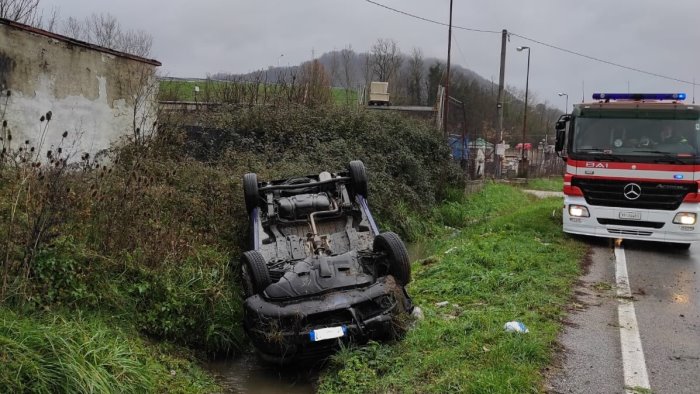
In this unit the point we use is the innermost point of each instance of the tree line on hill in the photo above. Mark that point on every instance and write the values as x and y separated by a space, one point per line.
414 80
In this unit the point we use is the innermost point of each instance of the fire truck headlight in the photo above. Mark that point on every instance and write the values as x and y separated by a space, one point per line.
579 211
687 218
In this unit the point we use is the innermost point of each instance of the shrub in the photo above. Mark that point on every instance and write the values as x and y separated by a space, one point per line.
408 160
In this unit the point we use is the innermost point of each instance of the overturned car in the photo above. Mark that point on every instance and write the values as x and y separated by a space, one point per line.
319 272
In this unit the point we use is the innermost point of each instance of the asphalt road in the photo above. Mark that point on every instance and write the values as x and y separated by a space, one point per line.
665 299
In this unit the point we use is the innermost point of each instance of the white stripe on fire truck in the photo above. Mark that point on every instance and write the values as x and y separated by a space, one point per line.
633 174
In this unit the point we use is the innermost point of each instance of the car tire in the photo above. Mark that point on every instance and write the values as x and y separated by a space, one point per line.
254 273
399 266
250 191
358 176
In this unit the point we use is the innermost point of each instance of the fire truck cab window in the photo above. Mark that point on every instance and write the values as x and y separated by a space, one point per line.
636 136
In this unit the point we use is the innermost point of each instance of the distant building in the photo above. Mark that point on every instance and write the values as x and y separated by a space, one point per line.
96 94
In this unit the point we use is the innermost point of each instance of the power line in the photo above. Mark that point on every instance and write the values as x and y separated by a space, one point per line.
601 60
552 46
431 20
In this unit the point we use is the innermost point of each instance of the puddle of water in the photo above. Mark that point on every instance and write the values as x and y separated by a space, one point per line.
247 374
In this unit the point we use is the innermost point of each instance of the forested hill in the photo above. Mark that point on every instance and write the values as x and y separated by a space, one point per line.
414 79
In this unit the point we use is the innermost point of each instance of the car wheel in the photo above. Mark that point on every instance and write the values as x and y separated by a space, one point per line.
250 191
399 265
254 272
358 175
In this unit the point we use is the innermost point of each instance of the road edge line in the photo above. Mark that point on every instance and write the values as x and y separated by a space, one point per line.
633 362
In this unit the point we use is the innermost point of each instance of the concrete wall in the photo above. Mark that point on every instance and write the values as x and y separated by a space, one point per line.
96 96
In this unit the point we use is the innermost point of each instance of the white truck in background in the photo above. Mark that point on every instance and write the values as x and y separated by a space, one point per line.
379 93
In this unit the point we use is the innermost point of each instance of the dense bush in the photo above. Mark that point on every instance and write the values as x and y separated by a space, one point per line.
408 160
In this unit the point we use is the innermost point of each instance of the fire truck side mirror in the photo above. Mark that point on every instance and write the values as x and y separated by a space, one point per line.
561 137
560 128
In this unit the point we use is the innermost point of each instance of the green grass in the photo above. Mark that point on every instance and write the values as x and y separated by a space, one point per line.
546 184
184 90
175 90
342 97
53 354
510 261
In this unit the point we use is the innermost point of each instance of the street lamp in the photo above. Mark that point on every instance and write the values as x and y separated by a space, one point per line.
523 160
566 109
278 60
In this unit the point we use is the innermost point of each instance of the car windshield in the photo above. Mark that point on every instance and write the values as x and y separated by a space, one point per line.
637 137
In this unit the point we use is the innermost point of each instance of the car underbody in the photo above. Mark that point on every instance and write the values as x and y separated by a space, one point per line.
318 272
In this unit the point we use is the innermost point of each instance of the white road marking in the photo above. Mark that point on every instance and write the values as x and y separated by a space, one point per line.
633 363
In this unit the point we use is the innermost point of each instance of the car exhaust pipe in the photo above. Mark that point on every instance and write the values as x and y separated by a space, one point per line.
318 244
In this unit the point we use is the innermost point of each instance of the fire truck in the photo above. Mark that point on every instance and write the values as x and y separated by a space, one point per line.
632 167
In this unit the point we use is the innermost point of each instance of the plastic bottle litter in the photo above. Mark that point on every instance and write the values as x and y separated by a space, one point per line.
442 303
515 326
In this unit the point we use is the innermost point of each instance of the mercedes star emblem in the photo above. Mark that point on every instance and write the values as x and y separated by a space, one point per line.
632 191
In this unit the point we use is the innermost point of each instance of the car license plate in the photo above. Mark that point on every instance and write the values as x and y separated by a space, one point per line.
631 215
327 333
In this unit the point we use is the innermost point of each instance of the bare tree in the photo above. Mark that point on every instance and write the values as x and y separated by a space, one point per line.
135 42
333 68
140 89
386 59
347 55
22 11
72 27
46 21
316 84
416 76
104 30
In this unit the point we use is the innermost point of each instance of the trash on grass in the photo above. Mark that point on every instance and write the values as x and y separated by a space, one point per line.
442 303
515 326
418 313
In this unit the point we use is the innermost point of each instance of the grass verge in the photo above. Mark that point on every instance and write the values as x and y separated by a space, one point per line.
50 354
508 261
546 184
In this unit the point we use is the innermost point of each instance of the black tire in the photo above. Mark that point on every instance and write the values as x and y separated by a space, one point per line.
358 175
250 191
399 266
254 273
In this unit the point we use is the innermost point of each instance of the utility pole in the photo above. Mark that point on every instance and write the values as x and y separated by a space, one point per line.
447 79
499 101
501 81
523 160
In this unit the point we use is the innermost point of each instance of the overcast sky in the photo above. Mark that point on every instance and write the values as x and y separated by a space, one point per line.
193 38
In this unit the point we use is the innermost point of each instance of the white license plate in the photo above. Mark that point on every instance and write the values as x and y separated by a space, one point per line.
327 333
631 215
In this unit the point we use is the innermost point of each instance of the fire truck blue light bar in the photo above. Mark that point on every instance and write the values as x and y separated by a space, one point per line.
639 96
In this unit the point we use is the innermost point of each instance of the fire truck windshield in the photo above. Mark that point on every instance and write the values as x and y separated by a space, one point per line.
642 138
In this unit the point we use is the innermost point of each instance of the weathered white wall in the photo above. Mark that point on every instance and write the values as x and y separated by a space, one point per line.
91 94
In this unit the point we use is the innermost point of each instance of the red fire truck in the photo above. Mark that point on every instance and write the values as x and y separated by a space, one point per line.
632 167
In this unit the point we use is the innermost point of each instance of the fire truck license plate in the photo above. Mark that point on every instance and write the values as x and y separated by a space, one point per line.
631 215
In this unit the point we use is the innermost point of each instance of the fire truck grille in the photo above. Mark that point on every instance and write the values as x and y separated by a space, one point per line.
630 232
654 195
633 223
